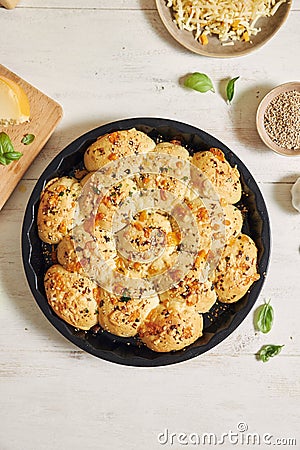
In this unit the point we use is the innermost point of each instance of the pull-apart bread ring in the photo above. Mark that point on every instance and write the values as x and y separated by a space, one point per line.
136 233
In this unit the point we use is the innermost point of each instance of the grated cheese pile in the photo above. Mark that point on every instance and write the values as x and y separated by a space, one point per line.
229 20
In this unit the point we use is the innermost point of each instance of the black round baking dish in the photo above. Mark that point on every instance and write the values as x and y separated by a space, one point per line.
219 323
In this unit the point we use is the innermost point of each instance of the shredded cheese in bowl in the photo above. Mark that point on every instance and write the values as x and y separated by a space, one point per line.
230 20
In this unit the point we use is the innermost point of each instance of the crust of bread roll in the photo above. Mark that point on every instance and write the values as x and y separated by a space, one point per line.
236 270
73 297
80 249
56 209
162 183
224 178
233 221
122 315
110 203
195 290
113 146
173 148
171 328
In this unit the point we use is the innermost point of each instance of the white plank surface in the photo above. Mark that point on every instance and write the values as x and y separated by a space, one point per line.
87 4
104 61
103 4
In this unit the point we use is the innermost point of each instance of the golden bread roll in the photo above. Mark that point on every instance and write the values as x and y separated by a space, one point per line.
73 297
233 220
77 251
227 223
203 223
173 148
171 328
163 263
135 269
236 270
123 315
110 203
162 183
151 237
56 209
194 290
224 178
147 228
113 146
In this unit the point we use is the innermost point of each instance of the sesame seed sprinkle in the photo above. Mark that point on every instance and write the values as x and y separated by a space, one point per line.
282 120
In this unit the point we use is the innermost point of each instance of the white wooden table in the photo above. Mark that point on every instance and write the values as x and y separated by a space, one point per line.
103 61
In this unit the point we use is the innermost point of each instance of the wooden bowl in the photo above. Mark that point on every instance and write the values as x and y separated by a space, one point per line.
286 87
269 26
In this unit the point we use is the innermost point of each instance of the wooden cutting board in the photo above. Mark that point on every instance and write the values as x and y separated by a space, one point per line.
45 114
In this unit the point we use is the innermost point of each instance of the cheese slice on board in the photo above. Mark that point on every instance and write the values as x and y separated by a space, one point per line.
14 103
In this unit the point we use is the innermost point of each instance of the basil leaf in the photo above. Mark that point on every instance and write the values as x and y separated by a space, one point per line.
230 89
269 351
199 82
5 144
265 318
3 161
28 139
13 156
7 151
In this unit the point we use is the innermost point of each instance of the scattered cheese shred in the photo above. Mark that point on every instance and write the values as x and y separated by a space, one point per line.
230 20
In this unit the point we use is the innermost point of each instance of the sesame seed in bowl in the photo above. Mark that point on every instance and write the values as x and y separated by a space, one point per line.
278 119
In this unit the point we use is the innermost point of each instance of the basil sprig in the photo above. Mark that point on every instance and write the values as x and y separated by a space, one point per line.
230 89
265 318
28 139
199 82
7 151
269 351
